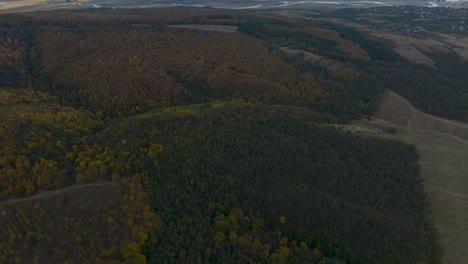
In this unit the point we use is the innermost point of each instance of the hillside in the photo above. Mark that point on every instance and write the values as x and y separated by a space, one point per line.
443 151
240 155
226 143
37 138
397 110
147 73
431 43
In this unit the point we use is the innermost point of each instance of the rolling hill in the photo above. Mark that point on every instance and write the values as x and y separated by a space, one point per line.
196 135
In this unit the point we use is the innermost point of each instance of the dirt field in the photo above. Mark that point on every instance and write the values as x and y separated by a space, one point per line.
443 149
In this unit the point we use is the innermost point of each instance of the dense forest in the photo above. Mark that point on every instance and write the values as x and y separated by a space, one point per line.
222 146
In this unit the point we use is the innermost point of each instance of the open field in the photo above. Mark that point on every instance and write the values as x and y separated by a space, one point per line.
445 172
443 156
397 110
415 49
411 48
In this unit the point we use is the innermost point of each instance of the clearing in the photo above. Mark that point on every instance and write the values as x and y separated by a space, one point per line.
398 111
330 64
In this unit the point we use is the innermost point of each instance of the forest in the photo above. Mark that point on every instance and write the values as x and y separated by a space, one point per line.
221 147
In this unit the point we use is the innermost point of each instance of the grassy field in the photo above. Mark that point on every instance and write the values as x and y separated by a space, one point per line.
444 168
445 171
398 111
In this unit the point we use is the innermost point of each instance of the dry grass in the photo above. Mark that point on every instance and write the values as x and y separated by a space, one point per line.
397 110
445 172
408 47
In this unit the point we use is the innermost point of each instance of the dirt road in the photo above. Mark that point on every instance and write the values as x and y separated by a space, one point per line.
45 194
